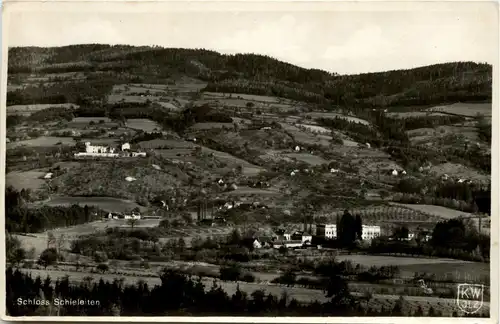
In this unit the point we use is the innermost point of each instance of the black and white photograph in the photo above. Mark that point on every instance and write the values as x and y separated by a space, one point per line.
257 160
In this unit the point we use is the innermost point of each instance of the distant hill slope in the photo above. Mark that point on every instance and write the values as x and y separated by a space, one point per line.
258 74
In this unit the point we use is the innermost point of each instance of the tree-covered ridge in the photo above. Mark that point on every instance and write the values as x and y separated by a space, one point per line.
259 74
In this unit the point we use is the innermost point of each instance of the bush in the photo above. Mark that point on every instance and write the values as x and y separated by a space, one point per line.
102 267
230 273
248 277
100 257
48 257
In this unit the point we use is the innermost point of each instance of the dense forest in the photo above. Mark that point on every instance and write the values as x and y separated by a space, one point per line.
19 217
243 73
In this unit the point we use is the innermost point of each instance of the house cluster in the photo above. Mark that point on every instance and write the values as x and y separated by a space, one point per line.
446 177
133 215
396 173
422 235
329 231
227 186
243 205
109 151
294 240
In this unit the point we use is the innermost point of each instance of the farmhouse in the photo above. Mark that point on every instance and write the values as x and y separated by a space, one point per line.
125 147
48 175
133 216
115 216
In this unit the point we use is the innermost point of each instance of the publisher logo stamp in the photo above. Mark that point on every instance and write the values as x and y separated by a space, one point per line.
470 297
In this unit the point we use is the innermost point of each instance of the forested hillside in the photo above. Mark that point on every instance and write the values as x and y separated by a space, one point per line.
240 73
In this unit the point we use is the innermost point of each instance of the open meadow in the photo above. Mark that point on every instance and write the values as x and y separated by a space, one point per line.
439 211
332 115
109 204
27 110
465 109
42 141
25 180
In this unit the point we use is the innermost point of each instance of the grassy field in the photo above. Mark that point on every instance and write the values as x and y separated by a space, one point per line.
167 143
249 169
25 180
42 141
253 191
459 270
459 171
465 109
29 109
101 141
408 114
208 126
382 260
269 99
438 211
105 203
107 179
80 122
307 158
304 137
315 129
335 115
145 125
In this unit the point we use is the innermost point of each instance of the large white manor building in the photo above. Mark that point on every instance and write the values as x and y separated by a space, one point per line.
108 151
329 231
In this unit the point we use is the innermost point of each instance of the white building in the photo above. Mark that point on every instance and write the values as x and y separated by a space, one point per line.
256 244
297 148
306 238
48 175
98 148
125 146
137 154
133 216
328 231
394 172
370 232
